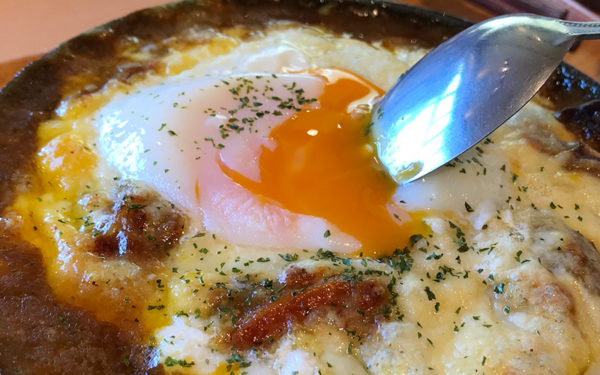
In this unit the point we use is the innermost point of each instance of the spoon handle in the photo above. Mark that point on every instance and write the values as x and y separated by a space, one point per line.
584 30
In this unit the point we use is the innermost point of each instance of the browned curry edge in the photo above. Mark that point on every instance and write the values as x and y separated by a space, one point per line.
34 94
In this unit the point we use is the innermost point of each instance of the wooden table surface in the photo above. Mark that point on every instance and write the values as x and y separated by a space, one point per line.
47 26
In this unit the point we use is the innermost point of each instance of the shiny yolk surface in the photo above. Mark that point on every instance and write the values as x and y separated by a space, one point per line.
323 166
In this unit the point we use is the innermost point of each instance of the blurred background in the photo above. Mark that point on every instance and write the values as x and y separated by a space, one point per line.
29 28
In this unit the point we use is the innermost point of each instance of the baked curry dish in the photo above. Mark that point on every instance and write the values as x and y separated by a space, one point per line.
193 189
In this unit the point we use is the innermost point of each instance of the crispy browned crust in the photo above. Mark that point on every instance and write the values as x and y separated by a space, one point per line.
40 335
583 121
98 57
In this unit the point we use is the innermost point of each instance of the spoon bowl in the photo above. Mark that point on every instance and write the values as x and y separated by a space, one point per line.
466 88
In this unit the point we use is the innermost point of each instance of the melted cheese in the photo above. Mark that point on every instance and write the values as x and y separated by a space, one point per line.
473 295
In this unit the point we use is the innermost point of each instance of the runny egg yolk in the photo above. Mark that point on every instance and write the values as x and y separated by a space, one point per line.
323 165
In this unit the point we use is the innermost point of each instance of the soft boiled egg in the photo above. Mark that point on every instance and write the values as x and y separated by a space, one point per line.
275 160
282 160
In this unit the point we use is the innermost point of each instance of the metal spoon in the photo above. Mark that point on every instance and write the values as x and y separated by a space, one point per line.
468 86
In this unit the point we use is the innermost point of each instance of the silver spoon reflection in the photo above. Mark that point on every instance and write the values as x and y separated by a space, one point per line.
468 86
